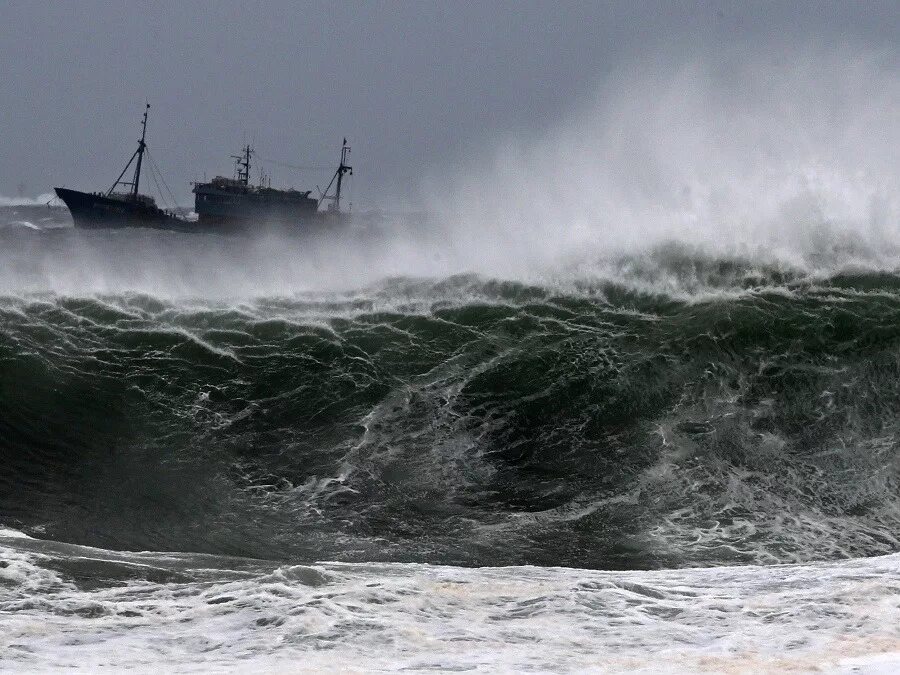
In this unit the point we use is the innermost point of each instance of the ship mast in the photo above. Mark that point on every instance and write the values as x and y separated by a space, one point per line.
341 170
139 155
242 164
338 176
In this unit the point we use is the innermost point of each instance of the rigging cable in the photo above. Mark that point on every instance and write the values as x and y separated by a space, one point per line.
154 166
350 192
292 166
158 188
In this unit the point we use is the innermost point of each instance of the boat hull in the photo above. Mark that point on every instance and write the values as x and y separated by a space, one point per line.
95 211
91 210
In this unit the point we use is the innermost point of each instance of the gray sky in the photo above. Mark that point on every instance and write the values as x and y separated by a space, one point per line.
413 86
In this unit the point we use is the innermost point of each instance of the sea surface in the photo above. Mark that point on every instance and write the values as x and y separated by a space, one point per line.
258 456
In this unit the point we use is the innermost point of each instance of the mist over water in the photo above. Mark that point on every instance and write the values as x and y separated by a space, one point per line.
40 200
788 161
785 158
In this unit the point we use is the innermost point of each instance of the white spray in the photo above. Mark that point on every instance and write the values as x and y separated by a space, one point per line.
785 153
789 156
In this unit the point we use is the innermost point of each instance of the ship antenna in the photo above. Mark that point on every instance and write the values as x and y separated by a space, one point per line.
242 164
139 154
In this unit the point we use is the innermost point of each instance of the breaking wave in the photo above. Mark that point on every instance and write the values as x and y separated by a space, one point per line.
467 420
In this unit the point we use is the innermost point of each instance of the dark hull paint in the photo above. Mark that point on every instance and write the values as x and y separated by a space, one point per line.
250 211
272 222
96 211
215 206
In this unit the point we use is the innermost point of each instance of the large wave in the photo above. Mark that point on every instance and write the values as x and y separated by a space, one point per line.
663 334
465 420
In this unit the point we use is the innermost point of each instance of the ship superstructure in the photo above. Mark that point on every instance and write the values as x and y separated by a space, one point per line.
236 203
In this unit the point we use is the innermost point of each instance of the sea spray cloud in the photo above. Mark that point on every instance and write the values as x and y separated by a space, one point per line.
789 151
40 200
787 158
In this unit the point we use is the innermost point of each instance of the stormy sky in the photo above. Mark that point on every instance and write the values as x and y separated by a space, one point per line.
413 86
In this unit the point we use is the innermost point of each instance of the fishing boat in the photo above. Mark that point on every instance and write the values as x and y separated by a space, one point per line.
222 204
125 207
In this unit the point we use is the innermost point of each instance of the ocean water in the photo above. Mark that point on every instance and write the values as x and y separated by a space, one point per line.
68 606
624 399
288 455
